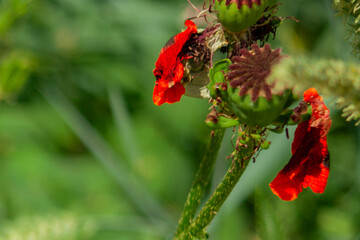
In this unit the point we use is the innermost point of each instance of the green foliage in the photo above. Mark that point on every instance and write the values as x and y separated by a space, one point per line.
268 225
350 10
202 180
10 11
333 78
15 69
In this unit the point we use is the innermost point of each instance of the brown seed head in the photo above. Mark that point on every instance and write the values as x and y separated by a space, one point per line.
250 69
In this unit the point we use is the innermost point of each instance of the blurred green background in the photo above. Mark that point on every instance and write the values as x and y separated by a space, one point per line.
85 154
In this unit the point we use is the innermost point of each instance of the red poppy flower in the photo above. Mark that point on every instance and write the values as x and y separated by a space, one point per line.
309 164
168 68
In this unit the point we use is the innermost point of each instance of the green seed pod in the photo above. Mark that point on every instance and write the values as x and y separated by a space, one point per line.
250 96
260 113
236 17
256 136
265 145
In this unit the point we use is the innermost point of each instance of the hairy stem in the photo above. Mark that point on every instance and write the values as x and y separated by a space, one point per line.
201 181
212 206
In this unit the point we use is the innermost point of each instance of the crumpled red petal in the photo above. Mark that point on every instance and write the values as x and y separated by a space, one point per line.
168 68
309 164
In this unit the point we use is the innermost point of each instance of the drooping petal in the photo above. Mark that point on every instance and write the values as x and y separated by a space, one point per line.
309 164
170 95
168 68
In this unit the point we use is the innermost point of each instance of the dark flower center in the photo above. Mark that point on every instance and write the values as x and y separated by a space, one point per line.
250 70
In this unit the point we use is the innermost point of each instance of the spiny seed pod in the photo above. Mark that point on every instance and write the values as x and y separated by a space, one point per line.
241 84
237 15
251 97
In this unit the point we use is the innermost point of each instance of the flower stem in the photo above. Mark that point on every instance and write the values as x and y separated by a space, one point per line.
201 181
212 206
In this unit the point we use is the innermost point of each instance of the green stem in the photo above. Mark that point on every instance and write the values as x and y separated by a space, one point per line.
201 181
212 206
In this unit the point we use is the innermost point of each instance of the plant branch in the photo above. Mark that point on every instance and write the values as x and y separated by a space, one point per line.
212 206
201 181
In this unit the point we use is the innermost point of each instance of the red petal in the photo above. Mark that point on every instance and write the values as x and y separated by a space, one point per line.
309 164
169 69
171 95
164 88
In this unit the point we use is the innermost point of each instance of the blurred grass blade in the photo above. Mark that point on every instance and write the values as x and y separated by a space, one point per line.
131 186
267 224
123 124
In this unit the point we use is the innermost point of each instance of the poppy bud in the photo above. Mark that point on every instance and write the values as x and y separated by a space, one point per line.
237 15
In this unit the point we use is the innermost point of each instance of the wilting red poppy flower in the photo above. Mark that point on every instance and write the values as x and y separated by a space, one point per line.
309 164
168 68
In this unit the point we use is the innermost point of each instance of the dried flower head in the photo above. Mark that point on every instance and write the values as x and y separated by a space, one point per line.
250 70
